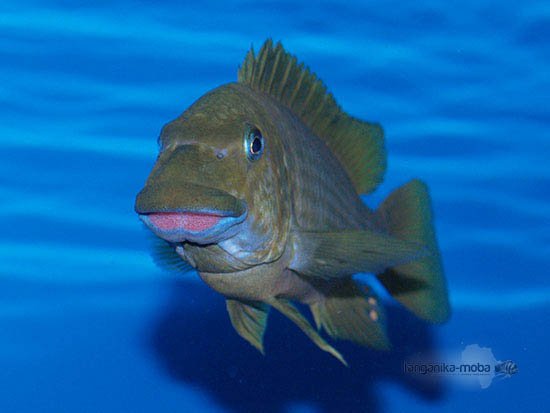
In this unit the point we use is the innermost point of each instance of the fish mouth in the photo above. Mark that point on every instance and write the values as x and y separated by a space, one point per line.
199 227
190 212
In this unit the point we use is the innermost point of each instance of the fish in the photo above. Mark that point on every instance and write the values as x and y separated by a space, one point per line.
257 186
506 368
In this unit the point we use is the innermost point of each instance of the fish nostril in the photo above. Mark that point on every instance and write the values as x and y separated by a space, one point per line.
221 154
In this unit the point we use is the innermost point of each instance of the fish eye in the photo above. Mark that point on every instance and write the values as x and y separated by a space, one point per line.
253 143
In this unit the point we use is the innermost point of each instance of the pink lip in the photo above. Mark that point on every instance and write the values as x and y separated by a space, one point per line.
188 221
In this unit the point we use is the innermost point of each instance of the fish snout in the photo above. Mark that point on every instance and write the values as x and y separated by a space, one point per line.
189 212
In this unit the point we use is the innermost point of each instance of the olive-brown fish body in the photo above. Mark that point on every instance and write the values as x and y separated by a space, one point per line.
313 193
257 187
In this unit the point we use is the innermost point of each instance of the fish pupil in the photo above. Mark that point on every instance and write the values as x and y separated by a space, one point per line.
256 145
253 143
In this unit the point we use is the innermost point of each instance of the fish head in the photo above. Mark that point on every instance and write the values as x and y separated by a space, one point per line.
220 174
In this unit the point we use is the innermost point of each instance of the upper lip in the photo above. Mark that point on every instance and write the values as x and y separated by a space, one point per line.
162 210
187 197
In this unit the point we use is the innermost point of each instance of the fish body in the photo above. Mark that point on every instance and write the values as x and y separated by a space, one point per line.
257 187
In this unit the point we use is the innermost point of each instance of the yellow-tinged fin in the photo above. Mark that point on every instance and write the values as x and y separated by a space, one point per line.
358 145
351 311
287 308
249 320
420 285
342 253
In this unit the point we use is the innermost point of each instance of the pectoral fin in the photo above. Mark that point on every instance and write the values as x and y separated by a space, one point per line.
342 253
288 309
165 256
249 320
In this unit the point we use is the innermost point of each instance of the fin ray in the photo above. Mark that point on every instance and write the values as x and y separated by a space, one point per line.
420 285
342 253
165 256
278 73
288 309
249 319
351 311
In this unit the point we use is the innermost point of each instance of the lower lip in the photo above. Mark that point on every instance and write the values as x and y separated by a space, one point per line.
188 221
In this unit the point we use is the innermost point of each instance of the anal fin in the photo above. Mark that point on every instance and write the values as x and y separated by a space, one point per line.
249 320
351 311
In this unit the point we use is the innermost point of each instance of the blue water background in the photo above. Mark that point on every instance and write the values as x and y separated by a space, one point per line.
89 324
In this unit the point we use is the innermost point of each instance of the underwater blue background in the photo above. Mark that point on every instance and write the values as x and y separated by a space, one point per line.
88 323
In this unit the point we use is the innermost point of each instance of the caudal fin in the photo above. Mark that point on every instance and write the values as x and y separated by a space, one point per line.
418 285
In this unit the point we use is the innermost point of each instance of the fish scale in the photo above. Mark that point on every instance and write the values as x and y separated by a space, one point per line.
322 200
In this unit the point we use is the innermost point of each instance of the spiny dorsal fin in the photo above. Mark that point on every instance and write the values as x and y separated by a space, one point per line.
358 145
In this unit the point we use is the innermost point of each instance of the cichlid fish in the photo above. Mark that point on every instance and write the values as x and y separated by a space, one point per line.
257 186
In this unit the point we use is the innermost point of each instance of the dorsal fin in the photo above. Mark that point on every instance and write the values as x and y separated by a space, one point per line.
358 145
